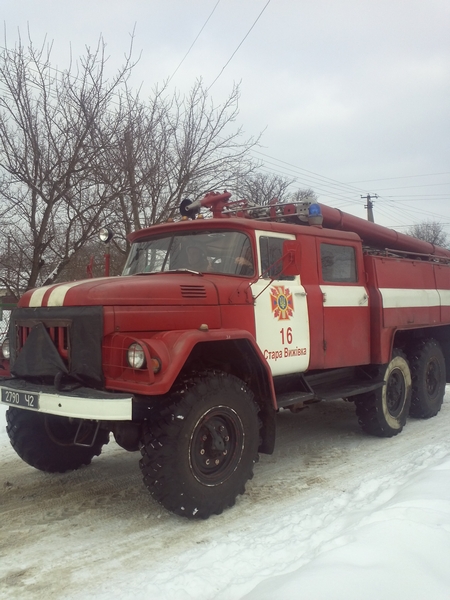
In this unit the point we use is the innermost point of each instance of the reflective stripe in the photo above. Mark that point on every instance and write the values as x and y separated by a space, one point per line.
445 297
344 295
58 295
409 298
37 296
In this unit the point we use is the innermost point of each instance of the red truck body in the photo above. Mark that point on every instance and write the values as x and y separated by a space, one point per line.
289 305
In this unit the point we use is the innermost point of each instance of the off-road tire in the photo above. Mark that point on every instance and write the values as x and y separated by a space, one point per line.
45 442
198 456
428 377
383 412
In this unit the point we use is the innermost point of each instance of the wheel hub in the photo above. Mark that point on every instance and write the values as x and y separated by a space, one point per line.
395 392
216 446
432 378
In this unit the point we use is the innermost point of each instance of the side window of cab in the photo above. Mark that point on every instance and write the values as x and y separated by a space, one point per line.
271 251
338 263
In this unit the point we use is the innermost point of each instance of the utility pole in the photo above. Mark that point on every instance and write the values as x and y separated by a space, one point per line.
369 206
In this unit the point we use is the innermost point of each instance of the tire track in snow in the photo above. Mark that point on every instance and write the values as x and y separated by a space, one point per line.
97 528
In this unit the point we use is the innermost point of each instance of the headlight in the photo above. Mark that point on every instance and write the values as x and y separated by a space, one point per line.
5 348
136 356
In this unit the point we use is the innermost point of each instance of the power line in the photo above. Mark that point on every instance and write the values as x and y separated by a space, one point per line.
320 182
192 45
403 177
338 192
412 225
401 217
327 185
242 41
410 211
306 183
406 187
330 187
420 197
352 188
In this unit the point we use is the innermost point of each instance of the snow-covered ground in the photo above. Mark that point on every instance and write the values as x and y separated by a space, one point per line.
333 514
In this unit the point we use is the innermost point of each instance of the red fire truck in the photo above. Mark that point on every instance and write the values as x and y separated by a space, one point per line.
217 323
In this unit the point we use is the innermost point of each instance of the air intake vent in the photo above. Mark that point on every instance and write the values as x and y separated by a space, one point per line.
193 291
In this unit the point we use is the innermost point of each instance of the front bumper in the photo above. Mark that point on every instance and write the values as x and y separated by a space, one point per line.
81 403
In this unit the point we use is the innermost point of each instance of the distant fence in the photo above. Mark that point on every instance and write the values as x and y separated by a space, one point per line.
7 303
4 324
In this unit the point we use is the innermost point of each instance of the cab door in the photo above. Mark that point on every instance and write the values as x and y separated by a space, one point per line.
346 319
281 312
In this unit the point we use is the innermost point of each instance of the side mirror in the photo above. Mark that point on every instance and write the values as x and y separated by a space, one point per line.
291 258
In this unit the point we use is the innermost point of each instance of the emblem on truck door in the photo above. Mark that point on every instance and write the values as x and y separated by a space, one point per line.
282 302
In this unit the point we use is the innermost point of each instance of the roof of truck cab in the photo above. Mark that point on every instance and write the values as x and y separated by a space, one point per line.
240 224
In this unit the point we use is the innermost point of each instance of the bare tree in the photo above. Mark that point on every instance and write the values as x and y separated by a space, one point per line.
303 195
261 188
90 261
430 231
79 150
49 129
168 148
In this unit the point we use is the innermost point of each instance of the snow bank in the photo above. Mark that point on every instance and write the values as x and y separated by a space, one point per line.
399 550
332 514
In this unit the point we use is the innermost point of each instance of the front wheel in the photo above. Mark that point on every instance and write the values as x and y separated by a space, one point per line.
46 442
383 412
199 455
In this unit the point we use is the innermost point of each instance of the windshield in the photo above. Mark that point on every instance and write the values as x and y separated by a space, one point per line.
227 252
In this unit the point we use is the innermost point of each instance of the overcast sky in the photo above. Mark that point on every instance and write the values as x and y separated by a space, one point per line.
353 95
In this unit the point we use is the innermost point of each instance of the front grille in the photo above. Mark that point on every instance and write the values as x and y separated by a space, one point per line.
193 291
48 340
59 334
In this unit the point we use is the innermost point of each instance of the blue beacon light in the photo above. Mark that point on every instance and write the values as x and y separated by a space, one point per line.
315 215
314 210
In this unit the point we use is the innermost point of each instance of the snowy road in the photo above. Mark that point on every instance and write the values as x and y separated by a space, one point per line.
96 533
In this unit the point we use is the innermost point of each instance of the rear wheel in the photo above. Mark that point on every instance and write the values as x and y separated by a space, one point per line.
383 412
199 455
46 442
428 378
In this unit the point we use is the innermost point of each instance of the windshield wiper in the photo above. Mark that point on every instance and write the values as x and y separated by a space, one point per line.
170 271
183 271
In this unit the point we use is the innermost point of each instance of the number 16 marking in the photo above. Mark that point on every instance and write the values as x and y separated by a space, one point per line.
286 334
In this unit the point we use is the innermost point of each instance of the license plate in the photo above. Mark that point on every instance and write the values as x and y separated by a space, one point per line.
16 398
